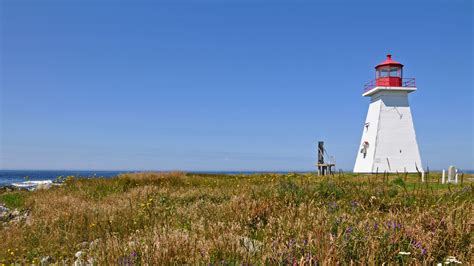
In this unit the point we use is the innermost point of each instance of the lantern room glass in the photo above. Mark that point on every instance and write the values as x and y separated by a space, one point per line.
396 72
383 72
389 71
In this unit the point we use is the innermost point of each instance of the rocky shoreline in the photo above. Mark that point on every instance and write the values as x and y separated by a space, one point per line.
29 186
10 216
13 216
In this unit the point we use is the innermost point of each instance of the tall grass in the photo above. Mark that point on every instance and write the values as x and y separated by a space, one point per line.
176 218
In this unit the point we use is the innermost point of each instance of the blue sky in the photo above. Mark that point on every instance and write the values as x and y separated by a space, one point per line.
224 85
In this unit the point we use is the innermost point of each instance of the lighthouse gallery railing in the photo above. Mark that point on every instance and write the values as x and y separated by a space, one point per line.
406 82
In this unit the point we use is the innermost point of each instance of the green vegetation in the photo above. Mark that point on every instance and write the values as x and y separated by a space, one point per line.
179 218
14 199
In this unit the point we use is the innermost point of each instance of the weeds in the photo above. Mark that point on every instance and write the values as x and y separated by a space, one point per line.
14 199
179 218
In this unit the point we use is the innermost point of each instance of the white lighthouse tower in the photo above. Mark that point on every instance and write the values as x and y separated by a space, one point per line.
388 138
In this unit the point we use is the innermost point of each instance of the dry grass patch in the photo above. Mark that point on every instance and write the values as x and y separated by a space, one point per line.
179 218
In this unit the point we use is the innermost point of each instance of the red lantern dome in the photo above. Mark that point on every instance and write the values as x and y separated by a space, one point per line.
389 73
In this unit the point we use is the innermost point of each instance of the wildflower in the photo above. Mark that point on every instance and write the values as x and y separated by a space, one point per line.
452 259
404 253
354 204
372 199
349 230
417 245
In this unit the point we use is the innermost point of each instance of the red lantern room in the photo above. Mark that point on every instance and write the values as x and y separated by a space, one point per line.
389 73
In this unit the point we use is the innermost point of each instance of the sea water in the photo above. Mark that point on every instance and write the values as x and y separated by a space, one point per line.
29 178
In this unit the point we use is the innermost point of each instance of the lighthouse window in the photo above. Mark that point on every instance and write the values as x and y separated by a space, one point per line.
383 73
395 72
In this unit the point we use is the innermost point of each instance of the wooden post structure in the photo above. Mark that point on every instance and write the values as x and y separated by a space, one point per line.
323 167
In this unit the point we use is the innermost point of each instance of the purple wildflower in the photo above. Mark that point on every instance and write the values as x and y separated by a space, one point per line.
349 230
332 206
354 204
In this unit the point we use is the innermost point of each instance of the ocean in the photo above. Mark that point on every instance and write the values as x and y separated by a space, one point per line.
8 177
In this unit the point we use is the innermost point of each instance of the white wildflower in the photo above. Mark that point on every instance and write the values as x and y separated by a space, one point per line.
404 253
372 199
452 259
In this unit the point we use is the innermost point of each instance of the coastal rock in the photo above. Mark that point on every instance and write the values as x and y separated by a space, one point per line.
94 244
10 188
45 260
4 213
79 254
16 216
15 213
8 216
6 188
251 245
82 260
44 186
28 220
3 209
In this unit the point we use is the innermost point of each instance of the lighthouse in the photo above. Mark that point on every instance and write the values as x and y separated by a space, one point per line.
388 142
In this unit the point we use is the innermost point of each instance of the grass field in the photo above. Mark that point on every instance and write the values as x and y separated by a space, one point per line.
179 218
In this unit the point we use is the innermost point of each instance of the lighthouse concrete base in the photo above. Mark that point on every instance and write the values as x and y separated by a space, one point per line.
388 141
